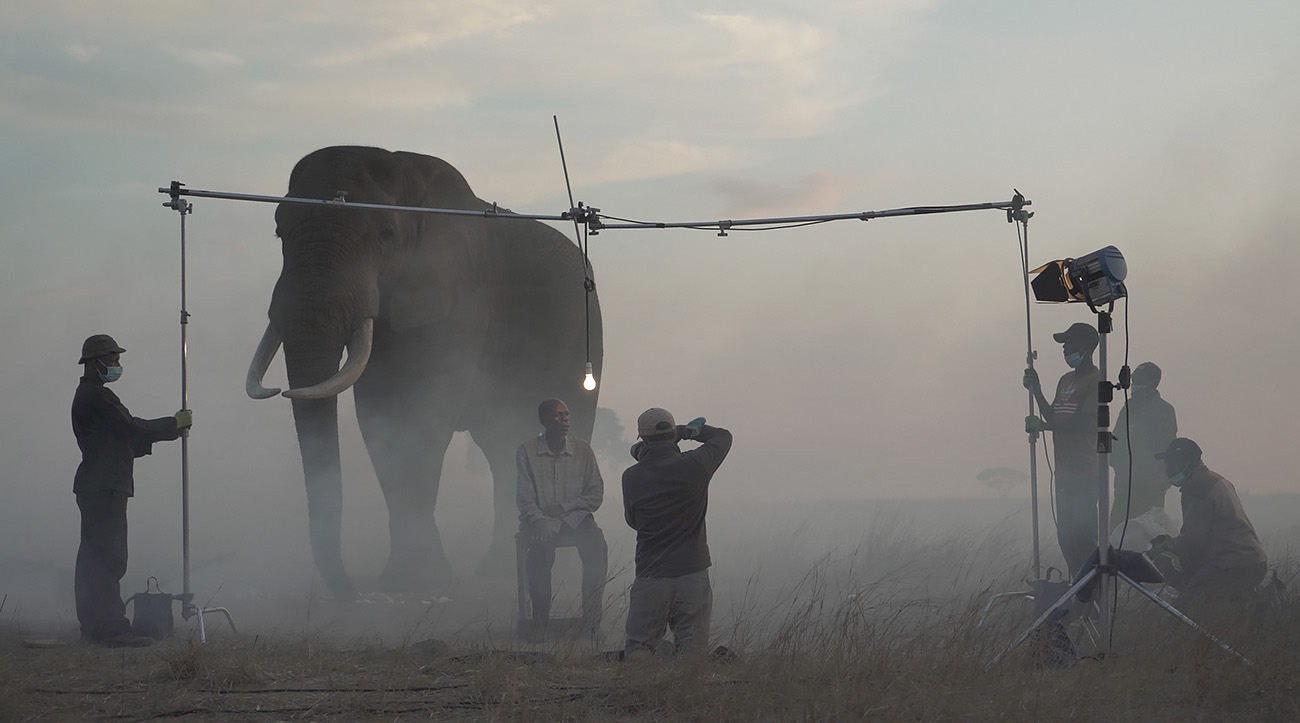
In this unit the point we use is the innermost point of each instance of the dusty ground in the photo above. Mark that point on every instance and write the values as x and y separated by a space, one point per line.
847 659
882 630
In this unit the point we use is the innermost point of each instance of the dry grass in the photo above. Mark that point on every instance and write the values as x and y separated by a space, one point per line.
860 636
863 656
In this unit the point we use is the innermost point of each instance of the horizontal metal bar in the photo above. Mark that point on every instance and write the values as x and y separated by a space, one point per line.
492 212
862 216
592 216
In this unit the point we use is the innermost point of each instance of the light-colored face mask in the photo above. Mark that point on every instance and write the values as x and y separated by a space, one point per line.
1178 479
1074 360
111 374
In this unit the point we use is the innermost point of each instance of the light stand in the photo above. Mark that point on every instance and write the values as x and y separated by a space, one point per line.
186 598
1038 585
1106 572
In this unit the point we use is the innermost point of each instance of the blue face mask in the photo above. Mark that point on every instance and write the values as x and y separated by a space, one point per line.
1074 360
111 374
1178 479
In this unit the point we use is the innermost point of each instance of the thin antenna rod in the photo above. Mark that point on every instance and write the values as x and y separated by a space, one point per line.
567 187
588 283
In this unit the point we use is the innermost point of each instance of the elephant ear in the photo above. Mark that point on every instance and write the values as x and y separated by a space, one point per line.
438 278
436 275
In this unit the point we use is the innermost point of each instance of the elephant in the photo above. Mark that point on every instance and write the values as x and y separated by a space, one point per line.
450 323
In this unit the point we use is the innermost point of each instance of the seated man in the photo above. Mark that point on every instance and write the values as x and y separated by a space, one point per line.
558 489
1216 558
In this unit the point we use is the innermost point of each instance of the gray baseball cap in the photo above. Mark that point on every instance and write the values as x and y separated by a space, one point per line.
1078 331
98 345
654 421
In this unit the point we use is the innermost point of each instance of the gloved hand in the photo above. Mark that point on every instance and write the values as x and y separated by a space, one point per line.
552 510
1166 560
1031 380
184 418
1159 543
546 529
691 429
1034 424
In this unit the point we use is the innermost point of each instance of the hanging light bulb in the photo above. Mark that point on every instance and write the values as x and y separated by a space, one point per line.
589 381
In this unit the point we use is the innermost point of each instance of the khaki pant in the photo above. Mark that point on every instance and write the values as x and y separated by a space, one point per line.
683 604
1210 592
1076 517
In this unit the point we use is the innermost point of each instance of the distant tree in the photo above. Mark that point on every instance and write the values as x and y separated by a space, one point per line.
1001 479
609 438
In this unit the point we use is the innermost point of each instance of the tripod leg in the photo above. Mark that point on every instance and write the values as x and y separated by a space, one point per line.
229 619
1181 617
1029 594
1046 614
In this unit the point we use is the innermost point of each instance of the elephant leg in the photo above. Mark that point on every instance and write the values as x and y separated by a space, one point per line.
407 455
499 445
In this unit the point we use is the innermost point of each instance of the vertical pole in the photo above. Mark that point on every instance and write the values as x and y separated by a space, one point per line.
183 207
1105 579
1022 217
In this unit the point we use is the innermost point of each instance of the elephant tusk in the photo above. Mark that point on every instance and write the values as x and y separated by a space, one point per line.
266 350
358 355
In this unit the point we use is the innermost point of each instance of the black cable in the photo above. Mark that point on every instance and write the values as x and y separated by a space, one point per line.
707 227
774 227
589 286
1128 496
1128 437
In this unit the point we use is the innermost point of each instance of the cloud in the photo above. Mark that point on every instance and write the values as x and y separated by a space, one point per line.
643 159
82 52
811 193
394 30
206 59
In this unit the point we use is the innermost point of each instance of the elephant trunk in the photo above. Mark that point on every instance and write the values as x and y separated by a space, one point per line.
358 346
316 420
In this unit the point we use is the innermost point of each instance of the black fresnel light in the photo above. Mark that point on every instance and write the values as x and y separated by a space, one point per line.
1095 279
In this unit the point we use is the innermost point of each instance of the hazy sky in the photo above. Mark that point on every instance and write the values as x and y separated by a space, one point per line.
878 359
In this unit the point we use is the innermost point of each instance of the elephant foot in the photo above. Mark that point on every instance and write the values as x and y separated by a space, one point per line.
499 562
339 584
412 578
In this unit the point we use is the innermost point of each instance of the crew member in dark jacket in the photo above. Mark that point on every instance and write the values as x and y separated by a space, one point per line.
1216 557
665 499
1147 424
110 439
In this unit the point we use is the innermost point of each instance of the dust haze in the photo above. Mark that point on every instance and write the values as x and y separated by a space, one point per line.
869 371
